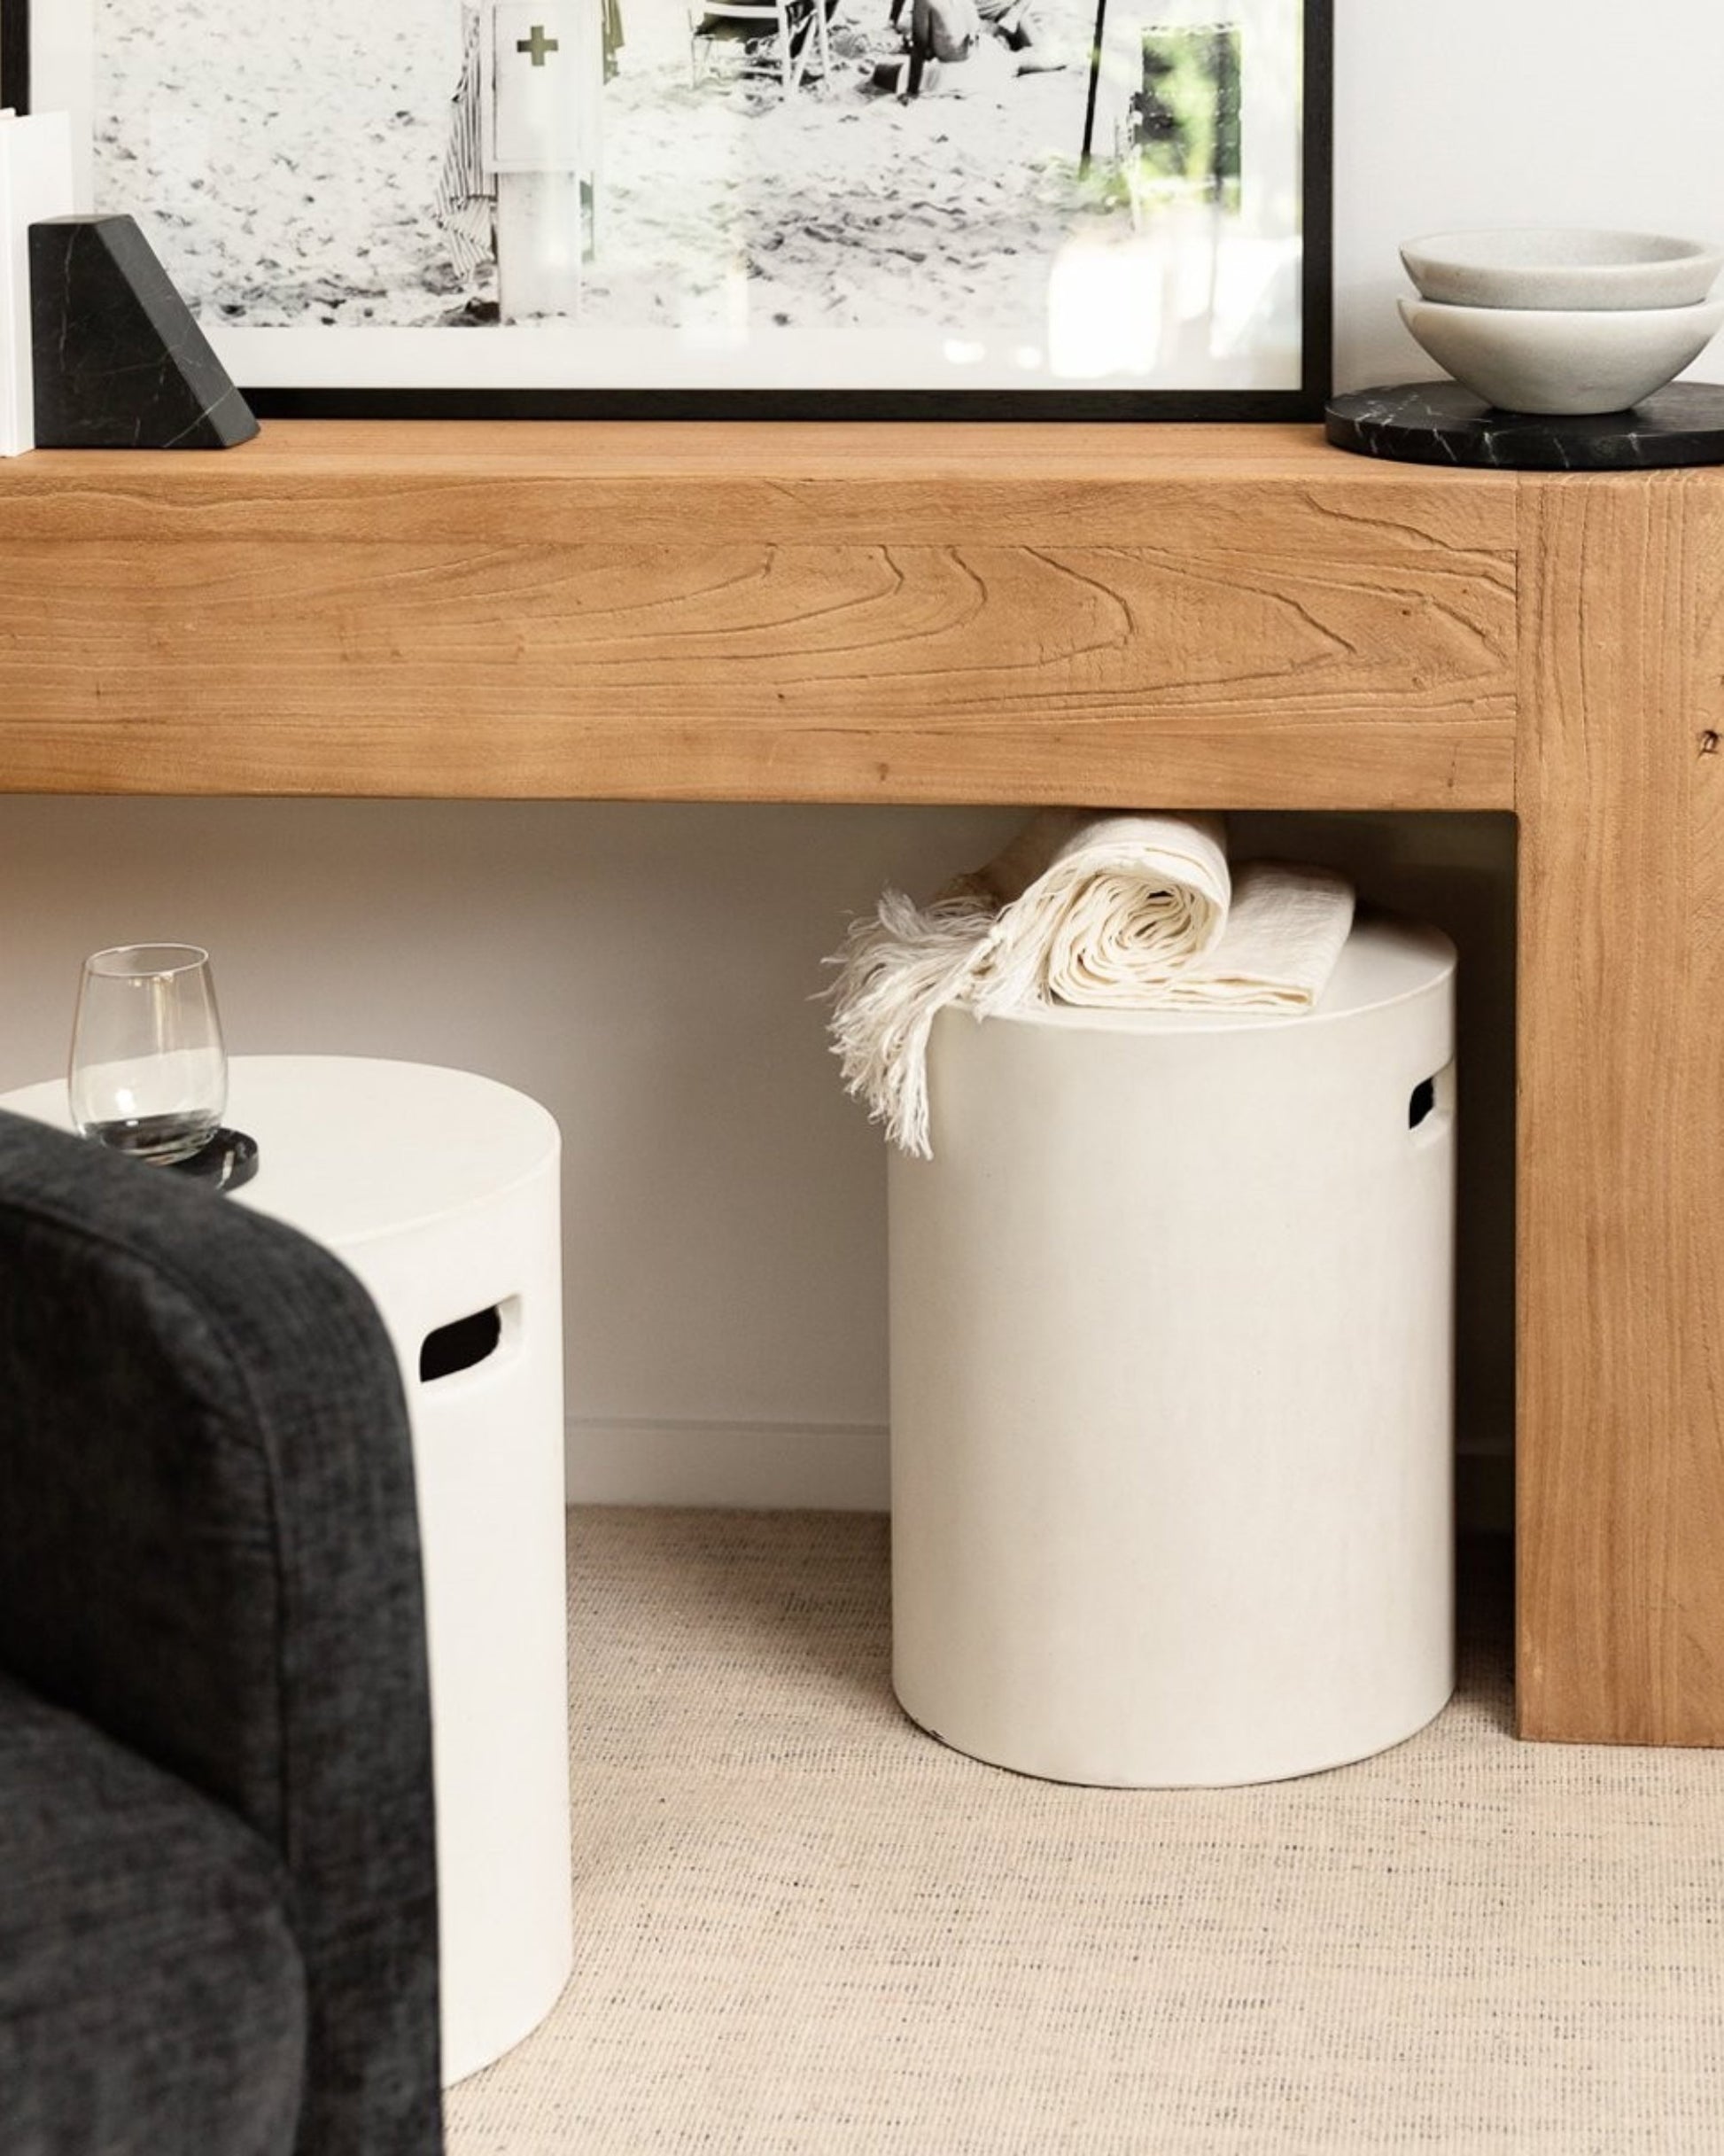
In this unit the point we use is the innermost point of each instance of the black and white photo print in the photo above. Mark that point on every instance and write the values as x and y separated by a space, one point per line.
1095 206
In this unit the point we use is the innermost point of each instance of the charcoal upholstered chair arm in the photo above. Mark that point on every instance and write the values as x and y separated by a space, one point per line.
209 1551
151 1994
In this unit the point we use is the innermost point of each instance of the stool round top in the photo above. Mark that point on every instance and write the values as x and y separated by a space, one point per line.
350 1147
1385 958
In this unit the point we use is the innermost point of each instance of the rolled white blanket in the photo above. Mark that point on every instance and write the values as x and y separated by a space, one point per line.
1115 911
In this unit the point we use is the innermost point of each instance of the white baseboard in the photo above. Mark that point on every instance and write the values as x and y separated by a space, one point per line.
841 1467
823 1467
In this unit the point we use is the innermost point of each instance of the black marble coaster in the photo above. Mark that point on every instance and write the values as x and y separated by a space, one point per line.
1440 423
229 1159
119 362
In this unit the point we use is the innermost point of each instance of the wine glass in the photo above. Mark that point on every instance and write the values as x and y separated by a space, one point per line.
149 1072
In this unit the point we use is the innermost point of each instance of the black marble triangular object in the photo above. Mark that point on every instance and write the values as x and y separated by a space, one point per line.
119 362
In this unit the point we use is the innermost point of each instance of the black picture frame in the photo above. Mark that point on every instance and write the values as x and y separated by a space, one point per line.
15 54
1304 403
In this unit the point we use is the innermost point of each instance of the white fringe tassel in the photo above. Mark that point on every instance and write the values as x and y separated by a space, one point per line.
896 972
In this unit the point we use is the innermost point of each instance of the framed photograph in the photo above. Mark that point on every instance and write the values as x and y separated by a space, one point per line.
1095 209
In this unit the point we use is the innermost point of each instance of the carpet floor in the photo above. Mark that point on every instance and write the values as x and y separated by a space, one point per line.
803 1928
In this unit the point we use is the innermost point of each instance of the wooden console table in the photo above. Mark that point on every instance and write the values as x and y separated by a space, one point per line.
1189 617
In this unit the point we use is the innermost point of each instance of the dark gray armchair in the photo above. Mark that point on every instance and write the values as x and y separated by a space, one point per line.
218 1910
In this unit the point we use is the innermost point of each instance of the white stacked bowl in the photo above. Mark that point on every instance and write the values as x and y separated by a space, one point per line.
1563 320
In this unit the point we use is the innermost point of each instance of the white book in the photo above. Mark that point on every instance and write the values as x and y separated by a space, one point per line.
35 182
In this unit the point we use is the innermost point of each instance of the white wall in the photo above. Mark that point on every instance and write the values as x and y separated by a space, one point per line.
1450 113
648 973
645 971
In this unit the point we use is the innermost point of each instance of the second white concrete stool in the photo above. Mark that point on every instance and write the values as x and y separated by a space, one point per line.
439 1189
1171 1368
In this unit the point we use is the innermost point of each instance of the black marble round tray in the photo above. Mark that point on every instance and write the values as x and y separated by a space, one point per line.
1440 423
229 1159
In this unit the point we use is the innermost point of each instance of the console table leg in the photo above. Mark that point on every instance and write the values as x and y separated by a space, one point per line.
1620 790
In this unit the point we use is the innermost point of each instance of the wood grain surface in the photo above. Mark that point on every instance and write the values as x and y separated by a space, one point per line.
1200 616
1621 1447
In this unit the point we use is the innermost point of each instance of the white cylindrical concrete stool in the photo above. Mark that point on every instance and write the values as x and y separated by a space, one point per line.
439 1189
1171 1321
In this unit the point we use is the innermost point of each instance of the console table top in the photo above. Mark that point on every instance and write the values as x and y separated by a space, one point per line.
1203 615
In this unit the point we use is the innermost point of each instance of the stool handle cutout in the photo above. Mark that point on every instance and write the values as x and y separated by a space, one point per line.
462 1344
1431 1105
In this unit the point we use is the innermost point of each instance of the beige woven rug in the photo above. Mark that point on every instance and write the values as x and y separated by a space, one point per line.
805 1927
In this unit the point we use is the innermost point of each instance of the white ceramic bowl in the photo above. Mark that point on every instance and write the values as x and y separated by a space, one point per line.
1563 267
1563 359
